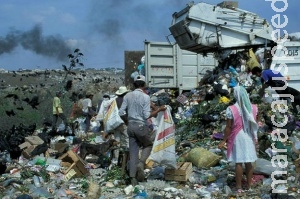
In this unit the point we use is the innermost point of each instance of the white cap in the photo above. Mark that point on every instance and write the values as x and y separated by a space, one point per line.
140 78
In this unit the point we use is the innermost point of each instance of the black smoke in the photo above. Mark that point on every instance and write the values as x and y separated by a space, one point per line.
52 46
122 25
110 28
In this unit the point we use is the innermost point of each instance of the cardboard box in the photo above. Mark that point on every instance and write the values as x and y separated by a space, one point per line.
60 147
26 152
34 140
73 161
30 143
182 173
70 174
26 149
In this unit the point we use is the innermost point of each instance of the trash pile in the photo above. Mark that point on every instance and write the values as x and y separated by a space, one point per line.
40 163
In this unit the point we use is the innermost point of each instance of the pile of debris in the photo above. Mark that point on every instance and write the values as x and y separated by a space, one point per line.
40 163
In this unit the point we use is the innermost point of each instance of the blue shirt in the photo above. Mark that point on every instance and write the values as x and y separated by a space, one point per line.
137 104
268 74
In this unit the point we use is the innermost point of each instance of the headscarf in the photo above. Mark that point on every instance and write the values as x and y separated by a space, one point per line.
245 107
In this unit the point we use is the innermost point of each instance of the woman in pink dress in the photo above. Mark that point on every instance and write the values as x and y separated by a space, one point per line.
240 134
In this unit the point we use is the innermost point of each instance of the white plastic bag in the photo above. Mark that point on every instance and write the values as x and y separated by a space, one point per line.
105 104
61 127
111 118
95 126
163 151
270 95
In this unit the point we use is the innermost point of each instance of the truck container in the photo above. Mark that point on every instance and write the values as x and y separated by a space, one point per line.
203 28
168 66
290 57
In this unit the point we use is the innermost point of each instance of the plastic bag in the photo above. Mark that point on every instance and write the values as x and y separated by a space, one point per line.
61 127
263 167
95 126
105 104
135 73
203 158
270 95
163 151
112 119
232 83
252 61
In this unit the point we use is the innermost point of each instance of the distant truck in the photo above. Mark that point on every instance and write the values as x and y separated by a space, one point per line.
204 28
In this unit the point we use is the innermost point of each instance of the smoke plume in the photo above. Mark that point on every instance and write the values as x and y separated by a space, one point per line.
33 40
124 25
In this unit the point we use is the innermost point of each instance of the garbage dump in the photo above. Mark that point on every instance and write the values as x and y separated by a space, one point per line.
42 163
49 164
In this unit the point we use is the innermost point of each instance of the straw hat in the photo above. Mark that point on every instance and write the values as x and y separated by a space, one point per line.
122 90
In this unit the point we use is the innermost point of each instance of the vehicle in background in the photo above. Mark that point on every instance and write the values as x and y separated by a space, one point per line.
204 28
168 66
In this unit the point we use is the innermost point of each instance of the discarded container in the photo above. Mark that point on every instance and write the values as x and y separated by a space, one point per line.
36 181
182 173
73 161
70 174
141 195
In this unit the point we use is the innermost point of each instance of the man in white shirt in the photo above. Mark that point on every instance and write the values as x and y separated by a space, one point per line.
87 110
137 106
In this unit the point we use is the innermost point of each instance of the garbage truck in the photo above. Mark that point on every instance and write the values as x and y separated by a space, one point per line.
169 66
205 28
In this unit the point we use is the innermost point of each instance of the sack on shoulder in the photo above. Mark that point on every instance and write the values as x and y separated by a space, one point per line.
112 118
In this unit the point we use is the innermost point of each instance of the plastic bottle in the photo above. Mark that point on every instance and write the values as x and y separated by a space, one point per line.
40 161
141 195
36 181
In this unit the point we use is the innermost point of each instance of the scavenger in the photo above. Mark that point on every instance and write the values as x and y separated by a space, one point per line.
240 134
137 106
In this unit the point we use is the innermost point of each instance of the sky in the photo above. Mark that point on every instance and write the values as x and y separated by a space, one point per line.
38 34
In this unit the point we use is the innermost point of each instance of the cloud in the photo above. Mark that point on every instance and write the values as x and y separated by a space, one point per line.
68 18
40 15
75 43
37 18
49 10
